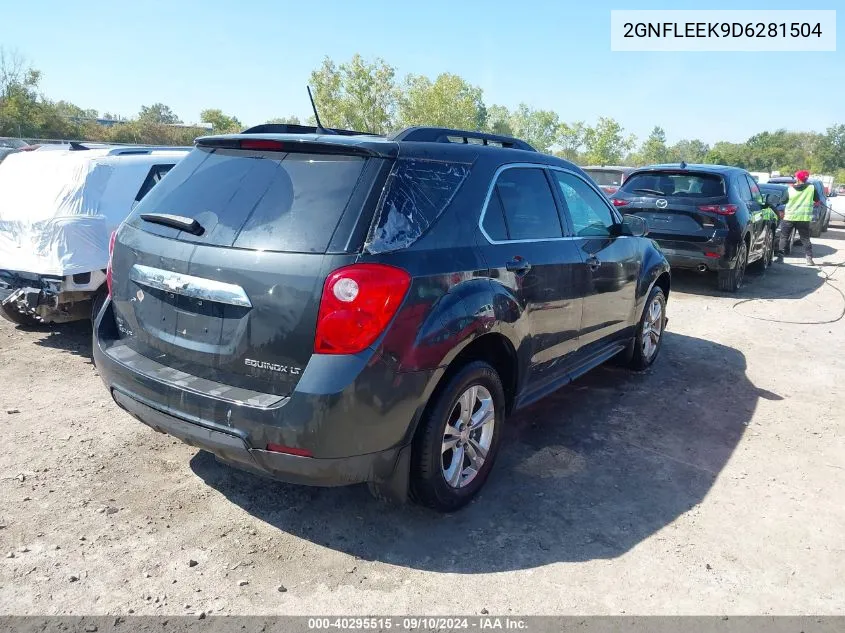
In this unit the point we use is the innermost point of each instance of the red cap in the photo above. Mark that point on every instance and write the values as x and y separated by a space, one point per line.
802 175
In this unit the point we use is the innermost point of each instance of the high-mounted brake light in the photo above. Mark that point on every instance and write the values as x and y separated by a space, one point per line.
619 203
357 304
109 266
262 144
719 209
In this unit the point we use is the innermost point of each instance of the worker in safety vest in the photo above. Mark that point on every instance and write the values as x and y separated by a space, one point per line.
802 197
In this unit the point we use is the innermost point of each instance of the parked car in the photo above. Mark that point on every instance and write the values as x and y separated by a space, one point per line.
821 221
57 209
609 178
704 217
841 190
335 309
12 145
778 195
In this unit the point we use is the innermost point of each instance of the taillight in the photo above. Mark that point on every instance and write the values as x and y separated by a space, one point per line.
619 203
719 209
108 268
357 304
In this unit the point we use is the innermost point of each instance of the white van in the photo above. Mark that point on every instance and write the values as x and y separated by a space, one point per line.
57 211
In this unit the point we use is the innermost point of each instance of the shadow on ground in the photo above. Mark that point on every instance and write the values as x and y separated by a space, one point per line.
74 338
588 473
792 278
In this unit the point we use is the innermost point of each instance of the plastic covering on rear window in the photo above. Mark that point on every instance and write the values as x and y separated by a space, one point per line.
416 193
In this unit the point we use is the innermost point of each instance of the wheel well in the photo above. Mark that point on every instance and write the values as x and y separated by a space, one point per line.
747 239
664 282
497 351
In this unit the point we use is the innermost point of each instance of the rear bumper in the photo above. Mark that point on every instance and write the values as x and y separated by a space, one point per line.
356 416
232 447
715 254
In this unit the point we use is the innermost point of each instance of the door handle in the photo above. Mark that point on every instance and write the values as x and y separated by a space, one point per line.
518 265
593 262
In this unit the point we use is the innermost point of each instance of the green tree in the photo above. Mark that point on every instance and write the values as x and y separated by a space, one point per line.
688 150
499 120
19 104
725 153
831 149
221 123
537 127
570 139
357 95
607 143
448 101
654 150
293 119
158 113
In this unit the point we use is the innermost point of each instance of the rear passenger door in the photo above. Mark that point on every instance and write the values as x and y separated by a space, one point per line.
755 215
610 261
527 253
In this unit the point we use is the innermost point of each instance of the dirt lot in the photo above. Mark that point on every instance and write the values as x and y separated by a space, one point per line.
713 483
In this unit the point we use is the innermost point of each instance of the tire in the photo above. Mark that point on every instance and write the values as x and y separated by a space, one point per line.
816 231
652 325
731 280
762 264
19 318
432 465
826 224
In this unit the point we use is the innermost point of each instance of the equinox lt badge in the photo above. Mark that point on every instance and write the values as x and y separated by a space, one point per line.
282 369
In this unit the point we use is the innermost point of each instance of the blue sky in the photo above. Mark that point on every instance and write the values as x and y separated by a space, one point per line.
252 58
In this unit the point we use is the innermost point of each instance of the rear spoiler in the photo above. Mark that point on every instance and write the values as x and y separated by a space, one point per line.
295 128
339 145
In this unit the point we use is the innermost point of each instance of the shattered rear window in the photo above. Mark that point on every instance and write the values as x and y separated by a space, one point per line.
416 193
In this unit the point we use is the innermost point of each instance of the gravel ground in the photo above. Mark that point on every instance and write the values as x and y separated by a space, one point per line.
712 483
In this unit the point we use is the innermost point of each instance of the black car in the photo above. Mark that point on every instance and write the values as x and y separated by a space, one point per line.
822 210
704 217
337 308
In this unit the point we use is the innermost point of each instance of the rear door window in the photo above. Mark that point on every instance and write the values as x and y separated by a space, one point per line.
669 184
744 189
529 207
272 201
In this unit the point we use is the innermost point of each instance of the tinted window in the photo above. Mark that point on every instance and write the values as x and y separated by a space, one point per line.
755 189
589 214
604 177
157 172
674 184
744 189
530 211
416 193
262 200
494 219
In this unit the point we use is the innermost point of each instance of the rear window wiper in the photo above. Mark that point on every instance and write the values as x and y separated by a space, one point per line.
190 225
654 192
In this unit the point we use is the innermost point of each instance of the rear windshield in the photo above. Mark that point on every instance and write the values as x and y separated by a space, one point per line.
673 184
259 200
605 178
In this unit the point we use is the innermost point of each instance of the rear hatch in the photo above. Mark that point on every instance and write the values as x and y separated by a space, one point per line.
218 272
677 205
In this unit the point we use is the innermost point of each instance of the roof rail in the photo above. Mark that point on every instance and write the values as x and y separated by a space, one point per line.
448 135
129 151
295 128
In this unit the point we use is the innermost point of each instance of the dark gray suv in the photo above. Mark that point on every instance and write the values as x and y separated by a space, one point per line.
337 308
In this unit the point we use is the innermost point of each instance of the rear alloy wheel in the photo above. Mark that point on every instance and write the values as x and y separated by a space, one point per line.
731 280
650 331
458 438
762 264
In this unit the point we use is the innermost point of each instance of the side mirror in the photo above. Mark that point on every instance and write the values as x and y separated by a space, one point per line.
634 226
769 200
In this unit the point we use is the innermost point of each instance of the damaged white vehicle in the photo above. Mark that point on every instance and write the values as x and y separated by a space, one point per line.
57 211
